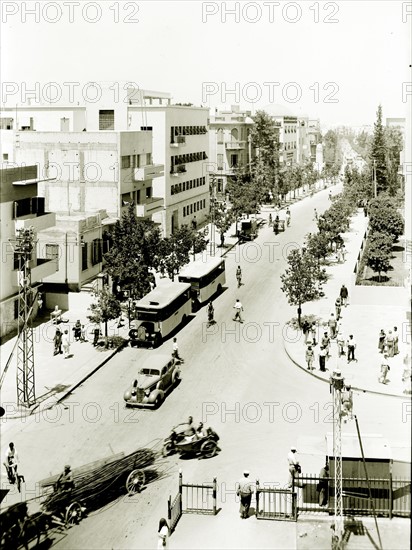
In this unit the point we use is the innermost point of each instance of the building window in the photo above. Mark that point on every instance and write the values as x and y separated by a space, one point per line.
233 160
84 256
220 162
106 119
126 162
148 158
52 252
22 207
97 255
149 193
5 156
220 135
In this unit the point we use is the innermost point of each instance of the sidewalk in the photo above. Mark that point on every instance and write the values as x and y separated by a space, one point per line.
363 321
55 376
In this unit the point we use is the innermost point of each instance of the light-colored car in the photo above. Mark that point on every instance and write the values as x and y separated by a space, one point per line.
157 376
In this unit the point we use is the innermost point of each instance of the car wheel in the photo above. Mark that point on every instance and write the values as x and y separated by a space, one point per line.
158 402
176 378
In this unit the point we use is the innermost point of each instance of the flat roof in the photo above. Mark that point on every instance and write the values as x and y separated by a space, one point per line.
374 446
201 267
163 294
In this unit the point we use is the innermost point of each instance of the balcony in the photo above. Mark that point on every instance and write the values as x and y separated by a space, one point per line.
152 206
38 223
178 140
148 172
178 170
235 145
40 269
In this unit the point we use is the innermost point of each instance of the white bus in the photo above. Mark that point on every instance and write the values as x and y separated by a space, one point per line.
160 312
206 277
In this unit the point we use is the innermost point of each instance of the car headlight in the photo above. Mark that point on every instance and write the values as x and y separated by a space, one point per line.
147 393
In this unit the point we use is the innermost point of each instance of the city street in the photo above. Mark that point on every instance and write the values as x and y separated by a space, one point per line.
236 378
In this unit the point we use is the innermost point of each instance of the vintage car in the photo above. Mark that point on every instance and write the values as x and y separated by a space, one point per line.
157 376
248 230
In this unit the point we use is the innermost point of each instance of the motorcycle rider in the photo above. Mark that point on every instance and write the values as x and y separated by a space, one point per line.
210 314
287 216
276 225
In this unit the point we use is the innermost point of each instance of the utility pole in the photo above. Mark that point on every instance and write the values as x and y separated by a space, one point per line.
212 214
336 386
23 246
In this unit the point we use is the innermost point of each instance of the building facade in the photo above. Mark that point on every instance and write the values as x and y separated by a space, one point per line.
21 208
230 144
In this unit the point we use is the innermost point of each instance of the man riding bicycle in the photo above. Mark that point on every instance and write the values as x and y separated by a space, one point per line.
11 461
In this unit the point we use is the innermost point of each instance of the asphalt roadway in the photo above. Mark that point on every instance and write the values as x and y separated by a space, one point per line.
237 379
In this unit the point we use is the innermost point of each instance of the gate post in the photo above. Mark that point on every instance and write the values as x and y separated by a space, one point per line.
181 491
390 495
257 498
214 496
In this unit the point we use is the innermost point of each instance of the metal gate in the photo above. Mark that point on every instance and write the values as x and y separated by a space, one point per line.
192 498
278 504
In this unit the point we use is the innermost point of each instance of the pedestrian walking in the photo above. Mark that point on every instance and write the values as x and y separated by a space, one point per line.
344 294
175 351
294 468
339 256
315 214
312 335
77 330
210 314
57 342
385 368
306 329
270 220
323 485
310 356
381 341
351 345
245 492
239 276
325 342
343 252
96 335
338 307
162 534
330 195
390 344
238 314
340 340
83 334
288 216
332 324
395 341
322 358
66 344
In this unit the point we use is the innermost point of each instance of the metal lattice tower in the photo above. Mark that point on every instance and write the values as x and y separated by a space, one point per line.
23 246
337 384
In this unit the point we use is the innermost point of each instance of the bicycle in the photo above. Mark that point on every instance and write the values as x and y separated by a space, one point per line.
13 475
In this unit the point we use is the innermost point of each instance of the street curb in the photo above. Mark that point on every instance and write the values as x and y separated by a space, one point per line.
33 411
327 382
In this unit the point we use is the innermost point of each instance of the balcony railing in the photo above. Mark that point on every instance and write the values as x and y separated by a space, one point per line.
235 144
148 172
178 140
153 205
178 170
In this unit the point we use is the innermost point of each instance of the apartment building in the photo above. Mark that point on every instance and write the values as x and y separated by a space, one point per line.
21 207
229 142
130 145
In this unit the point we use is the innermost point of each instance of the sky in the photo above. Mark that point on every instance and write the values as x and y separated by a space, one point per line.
335 61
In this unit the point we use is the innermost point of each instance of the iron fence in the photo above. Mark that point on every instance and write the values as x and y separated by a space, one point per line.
277 504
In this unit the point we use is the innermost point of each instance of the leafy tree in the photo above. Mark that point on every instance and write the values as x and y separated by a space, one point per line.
378 253
302 280
318 245
134 250
384 216
394 146
105 309
265 166
378 154
222 220
244 193
175 251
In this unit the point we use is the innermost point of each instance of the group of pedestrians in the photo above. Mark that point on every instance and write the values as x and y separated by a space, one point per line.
388 346
61 339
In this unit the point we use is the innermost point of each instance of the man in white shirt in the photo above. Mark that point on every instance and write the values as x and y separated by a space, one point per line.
11 460
175 352
239 308
294 467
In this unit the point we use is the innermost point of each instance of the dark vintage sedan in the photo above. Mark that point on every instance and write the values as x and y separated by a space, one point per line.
157 376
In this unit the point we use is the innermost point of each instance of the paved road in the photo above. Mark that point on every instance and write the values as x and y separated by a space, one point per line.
236 378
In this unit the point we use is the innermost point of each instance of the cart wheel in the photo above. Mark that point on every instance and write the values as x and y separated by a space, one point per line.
73 514
208 449
167 448
135 481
